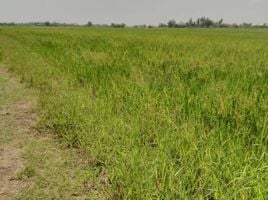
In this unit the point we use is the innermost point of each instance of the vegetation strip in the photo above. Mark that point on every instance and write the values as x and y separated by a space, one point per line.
163 114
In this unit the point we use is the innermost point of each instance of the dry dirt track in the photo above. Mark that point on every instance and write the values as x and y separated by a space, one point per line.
24 173
17 118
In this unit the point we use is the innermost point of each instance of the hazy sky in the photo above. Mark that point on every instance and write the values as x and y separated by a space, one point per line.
132 11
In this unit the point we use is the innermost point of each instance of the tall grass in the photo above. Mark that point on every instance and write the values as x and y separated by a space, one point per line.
165 114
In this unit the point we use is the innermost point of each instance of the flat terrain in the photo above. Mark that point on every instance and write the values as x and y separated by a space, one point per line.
161 113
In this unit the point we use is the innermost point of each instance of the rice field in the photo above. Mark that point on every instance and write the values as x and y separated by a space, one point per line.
162 113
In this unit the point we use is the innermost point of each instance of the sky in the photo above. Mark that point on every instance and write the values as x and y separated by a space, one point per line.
132 12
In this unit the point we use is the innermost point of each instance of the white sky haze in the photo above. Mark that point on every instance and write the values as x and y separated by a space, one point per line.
132 11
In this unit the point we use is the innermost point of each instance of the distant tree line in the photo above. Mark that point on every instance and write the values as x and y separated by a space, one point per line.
38 24
114 25
203 22
89 24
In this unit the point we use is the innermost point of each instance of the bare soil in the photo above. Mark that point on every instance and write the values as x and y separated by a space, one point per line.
16 118
65 173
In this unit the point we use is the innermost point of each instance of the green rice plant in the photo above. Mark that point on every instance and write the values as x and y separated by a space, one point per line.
166 114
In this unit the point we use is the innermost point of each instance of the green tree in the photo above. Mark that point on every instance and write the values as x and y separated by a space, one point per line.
172 23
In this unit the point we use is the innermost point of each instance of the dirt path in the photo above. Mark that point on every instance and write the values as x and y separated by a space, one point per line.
34 166
12 115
